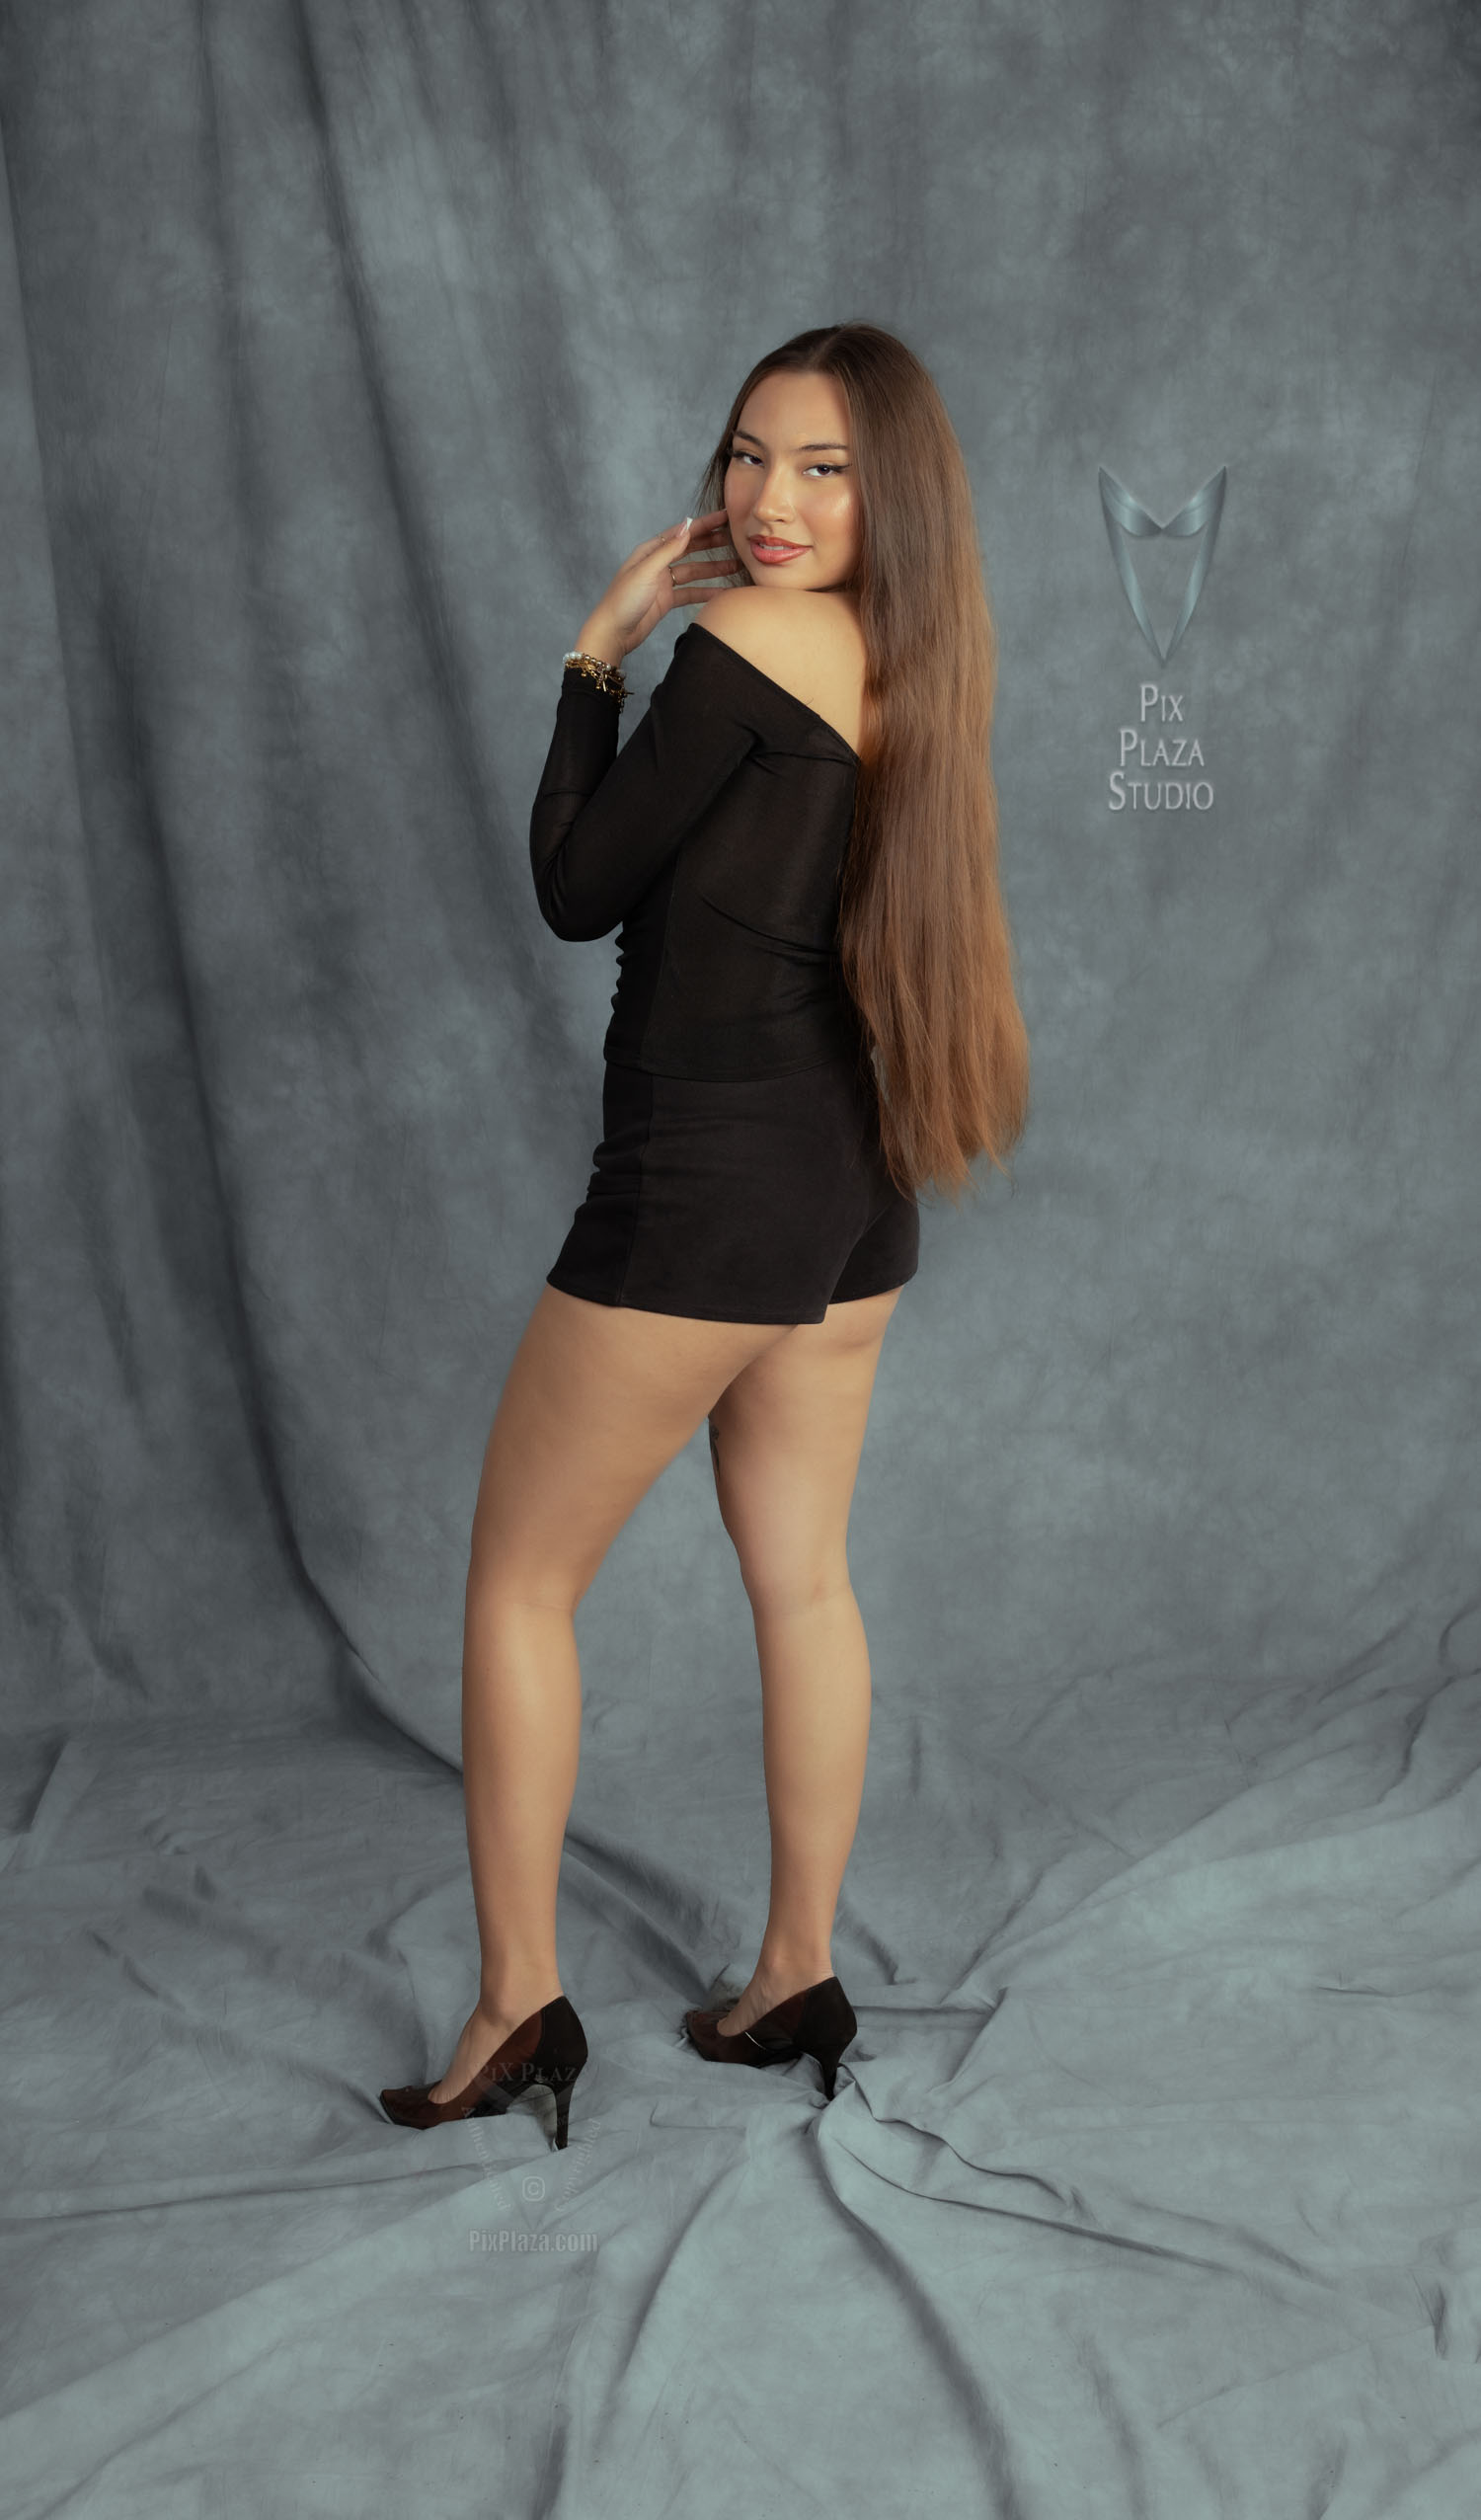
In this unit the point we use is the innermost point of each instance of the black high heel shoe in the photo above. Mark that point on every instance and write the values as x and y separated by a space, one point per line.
550 2047
819 2022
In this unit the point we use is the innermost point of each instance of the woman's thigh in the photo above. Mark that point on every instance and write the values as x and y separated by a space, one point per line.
785 1440
596 1402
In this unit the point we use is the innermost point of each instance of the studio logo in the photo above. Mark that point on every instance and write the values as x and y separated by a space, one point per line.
1168 744
1126 518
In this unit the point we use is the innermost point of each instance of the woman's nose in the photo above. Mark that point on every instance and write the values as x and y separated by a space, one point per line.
771 502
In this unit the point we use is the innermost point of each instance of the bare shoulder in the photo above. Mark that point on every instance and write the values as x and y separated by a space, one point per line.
776 625
809 643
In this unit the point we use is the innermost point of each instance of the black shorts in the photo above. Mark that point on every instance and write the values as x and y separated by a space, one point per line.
762 1199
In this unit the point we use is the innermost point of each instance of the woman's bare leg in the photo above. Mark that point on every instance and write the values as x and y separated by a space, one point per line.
785 1441
597 1401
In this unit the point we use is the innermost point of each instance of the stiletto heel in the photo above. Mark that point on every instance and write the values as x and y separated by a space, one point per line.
550 2047
563 2112
820 2022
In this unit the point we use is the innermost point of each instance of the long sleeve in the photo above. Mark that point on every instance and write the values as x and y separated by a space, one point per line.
604 823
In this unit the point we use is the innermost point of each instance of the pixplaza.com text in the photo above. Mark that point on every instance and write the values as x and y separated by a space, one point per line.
505 2238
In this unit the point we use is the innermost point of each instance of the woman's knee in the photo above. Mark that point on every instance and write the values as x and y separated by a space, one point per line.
505 1575
779 1583
790 1539
539 1569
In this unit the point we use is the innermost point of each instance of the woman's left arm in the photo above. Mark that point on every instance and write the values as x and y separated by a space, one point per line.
605 823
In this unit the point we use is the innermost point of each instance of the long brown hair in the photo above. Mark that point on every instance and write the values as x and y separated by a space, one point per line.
926 953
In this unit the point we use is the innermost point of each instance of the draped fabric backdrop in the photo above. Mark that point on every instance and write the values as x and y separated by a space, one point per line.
345 351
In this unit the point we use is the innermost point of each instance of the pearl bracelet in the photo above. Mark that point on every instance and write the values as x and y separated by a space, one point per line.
607 677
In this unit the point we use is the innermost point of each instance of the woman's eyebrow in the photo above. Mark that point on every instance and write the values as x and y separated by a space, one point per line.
813 445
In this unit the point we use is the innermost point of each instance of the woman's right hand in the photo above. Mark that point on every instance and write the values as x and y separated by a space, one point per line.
644 587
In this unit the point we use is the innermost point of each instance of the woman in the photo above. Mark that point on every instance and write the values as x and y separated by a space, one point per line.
815 1018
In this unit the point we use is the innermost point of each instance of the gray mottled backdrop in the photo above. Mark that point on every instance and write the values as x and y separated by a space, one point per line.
345 350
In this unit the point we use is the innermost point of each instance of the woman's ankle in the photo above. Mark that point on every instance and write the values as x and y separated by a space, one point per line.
514 1999
793 1969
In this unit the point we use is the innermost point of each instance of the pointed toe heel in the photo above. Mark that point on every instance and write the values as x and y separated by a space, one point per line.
826 2030
549 2047
563 2091
820 2022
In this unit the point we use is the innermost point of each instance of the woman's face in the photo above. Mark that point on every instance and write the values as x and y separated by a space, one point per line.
790 487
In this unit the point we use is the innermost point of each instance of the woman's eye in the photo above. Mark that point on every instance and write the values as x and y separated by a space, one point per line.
744 455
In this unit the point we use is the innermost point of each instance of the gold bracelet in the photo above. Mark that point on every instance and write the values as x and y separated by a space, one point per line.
607 677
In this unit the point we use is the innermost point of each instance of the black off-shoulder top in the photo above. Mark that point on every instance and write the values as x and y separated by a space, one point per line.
716 837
